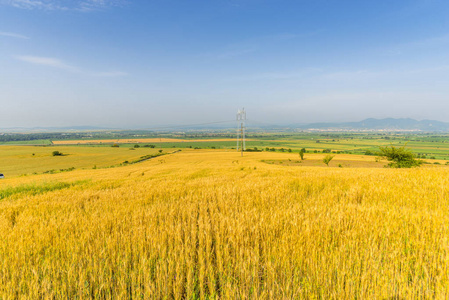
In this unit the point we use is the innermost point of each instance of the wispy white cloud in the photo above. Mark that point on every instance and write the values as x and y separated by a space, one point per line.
80 5
47 61
33 4
59 64
89 5
13 35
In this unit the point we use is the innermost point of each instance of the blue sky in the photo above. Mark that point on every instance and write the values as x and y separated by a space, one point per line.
147 63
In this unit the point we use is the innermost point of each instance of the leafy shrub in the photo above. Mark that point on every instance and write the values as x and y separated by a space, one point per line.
301 153
328 159
252 150
399 157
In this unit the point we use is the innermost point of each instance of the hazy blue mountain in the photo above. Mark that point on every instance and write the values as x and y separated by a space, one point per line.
383 124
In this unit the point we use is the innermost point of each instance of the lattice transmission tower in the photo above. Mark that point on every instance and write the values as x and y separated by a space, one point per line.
241 128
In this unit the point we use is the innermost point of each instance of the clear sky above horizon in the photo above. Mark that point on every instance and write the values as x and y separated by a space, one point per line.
146 63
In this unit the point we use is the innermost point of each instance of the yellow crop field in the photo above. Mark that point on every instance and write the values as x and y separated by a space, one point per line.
132 141
210 224
21 160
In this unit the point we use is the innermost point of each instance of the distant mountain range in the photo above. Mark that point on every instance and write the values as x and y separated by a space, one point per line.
388 124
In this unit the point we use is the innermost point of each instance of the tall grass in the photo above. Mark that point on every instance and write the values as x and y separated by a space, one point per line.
204 226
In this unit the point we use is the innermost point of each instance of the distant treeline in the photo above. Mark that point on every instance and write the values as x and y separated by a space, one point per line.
13 137
128 134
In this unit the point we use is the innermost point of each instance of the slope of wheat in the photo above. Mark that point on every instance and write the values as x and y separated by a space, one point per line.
211 224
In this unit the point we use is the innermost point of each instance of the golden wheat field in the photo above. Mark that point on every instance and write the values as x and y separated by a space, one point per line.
141 140
202 224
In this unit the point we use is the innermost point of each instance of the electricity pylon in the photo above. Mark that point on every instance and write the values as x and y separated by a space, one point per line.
241 118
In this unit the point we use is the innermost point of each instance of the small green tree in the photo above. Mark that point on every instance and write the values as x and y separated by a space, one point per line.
56 153
301 153
399 157
327 159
